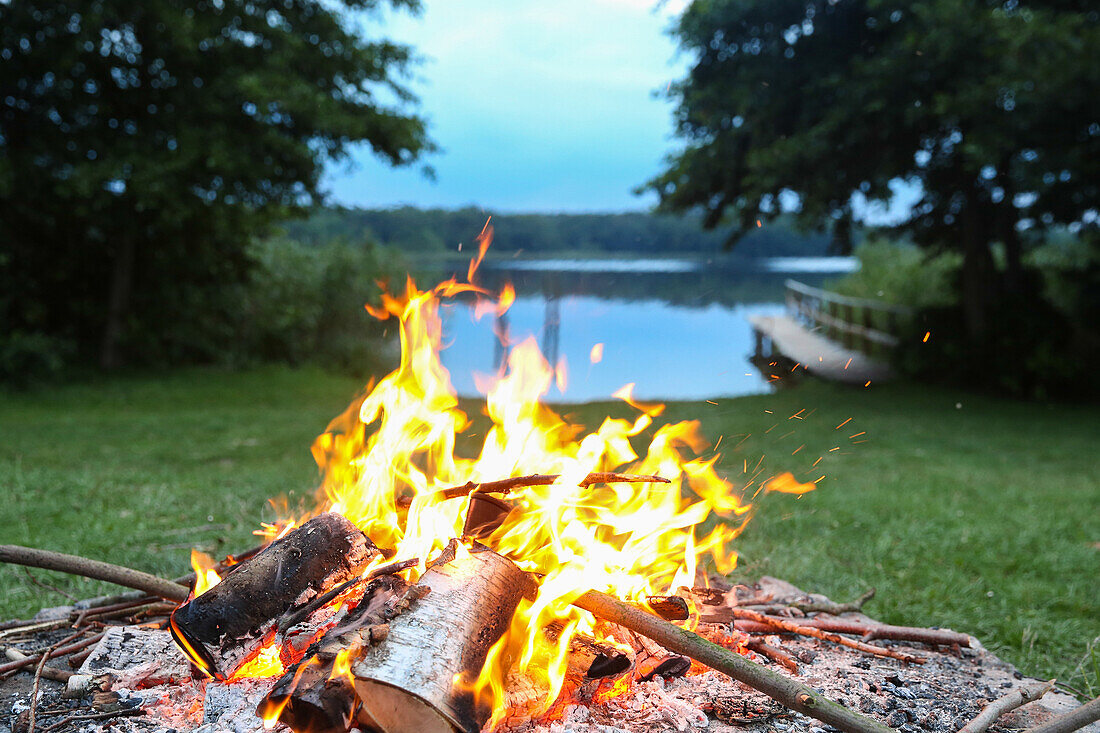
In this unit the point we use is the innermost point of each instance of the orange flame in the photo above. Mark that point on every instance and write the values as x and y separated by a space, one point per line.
628 539
205 575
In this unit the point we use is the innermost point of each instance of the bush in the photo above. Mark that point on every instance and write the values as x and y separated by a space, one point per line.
1039 346
29 358
899 273
304 303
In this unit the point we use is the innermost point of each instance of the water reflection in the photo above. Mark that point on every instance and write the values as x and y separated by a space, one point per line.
678 329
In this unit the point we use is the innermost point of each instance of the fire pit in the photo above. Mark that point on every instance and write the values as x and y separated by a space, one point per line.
431 592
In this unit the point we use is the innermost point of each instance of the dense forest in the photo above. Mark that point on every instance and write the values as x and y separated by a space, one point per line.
440 230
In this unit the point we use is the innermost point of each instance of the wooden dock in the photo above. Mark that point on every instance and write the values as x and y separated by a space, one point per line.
821 357
833 336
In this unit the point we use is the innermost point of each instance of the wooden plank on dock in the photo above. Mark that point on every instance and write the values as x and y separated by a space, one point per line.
822 357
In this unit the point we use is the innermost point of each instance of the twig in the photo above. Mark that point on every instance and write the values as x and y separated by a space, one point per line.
1074 719
505 486
835 608
869 631
32 626
776 655
1020 696
16 665
93 716
75 565
790 693
38 679
322 600
47 586
50 673
817 633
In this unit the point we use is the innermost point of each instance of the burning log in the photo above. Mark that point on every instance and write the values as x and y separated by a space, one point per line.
414 681
317 694
227 625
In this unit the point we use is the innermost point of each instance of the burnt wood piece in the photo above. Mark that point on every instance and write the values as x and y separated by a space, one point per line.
419 678
588 657
309 696
228 624
651 659
670 608
485 515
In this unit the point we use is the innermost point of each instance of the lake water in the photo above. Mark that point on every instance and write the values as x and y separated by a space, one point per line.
676 328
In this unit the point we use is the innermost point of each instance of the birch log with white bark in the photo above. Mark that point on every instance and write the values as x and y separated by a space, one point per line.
413 680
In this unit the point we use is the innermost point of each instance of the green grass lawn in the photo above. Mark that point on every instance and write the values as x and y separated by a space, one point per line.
962 511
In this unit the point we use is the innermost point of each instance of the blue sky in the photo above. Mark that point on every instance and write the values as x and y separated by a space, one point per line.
538 106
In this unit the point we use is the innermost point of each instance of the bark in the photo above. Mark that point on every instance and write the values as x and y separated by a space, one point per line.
419 678
228 624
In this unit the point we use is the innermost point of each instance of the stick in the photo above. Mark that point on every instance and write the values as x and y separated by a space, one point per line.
505 486
869 632
12 666
994 710
1074 719
93 716
790 693
38 679
34 690
776 655
50 673
75 565
320 601
818 633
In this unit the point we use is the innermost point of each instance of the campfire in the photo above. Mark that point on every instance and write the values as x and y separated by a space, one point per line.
548 577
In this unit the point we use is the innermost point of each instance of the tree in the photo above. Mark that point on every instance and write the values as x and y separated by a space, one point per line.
142 145
990 106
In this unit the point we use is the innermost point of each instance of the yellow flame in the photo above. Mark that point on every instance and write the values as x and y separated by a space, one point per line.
341 665
627 539
267 663
205 575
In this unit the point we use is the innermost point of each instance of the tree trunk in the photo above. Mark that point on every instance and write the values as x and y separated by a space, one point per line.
1014 267
118 303
978 277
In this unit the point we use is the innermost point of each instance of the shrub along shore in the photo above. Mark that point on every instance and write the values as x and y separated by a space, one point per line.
974 513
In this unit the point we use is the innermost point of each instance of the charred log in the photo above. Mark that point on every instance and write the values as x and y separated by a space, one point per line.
231 622
588 657
419 678
315 695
